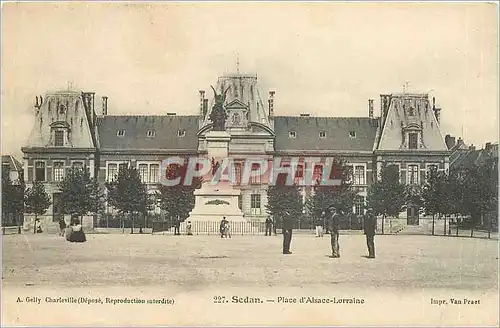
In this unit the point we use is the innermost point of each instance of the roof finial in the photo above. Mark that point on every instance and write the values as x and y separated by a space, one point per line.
238 63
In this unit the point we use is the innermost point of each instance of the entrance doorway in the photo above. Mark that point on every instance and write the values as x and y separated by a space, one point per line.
412 215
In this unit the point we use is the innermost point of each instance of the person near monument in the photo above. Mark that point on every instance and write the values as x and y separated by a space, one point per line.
222 226
189 231
319 226
177 227
62 226
269 225
334 223
370 227
287 232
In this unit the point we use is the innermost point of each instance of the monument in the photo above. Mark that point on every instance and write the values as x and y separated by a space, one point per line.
213 201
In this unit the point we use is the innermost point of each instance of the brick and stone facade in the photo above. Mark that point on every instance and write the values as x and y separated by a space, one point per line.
70 132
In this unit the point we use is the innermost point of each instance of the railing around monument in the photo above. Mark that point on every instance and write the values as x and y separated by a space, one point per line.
212 228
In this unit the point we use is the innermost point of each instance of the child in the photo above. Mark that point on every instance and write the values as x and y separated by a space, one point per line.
188 229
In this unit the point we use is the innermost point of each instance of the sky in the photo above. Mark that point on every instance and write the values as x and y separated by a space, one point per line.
326 59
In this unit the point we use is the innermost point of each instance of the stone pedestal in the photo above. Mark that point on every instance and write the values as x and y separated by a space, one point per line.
213 201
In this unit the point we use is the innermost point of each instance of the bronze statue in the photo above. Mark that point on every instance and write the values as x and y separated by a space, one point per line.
218 116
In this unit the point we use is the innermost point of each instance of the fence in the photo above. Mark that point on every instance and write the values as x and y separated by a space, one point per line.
123 221
212 227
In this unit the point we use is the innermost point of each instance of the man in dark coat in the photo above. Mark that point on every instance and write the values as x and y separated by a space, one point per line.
269 226
370 226
222 226
177 227
334 231
287 232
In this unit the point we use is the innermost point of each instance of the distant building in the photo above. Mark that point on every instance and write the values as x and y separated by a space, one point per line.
14 168
69 132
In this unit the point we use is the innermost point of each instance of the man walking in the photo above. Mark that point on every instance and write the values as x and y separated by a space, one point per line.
334 232
287 232
370 226
269 225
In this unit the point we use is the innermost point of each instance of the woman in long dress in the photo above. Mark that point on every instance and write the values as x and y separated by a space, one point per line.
77 234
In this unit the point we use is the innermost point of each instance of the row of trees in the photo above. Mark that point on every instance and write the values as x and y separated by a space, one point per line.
469 193
80 194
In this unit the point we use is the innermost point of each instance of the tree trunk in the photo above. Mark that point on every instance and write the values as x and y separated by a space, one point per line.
34 225
383 219
18 224
489 227
132 225
444 232
433 215
457 227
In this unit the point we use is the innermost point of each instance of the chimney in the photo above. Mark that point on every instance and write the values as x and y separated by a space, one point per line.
271 103
450 141
202 101
370 108
436 110
305 115
104 106
205 106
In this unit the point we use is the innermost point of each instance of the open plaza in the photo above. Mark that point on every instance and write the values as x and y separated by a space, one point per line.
223 281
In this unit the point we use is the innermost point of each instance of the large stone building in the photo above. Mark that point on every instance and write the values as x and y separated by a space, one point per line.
71 131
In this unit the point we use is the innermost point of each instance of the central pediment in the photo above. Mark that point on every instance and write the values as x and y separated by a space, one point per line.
236 104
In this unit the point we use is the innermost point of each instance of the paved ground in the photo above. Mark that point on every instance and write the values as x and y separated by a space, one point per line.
196 269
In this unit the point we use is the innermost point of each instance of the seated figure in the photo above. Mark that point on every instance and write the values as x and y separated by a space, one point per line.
76 234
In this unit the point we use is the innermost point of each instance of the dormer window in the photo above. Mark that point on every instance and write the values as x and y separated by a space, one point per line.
181 133
120 133
60 133
322 134
292 134
151 133
352 134
58 138
413 140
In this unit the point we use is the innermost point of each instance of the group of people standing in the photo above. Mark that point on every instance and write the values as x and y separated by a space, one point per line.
333 219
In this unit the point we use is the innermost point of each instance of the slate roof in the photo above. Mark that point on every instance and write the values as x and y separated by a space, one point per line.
337 131
136 129
468 158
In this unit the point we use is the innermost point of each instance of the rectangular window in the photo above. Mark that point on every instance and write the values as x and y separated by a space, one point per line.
352 134
59 138
412 140
318 172
58 171
359 203
154 171
359 175
413 174
300 171
112 172
40 171
120 133
255 179
322 134
181 133
77 165
240 202
432 167
292 134
143 172
122 166
255 204
237 173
